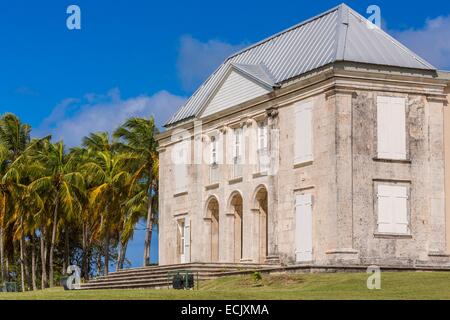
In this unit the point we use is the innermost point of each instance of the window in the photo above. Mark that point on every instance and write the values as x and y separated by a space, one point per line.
392 209
181 237
303 228
303 133
237 153
263 150
180 172
262 135
213 151
184 240
391 128
214 166
237 143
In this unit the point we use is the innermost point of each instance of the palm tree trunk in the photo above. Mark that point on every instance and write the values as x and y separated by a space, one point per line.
2 246
22 267
26 264
122 254
53 241
106 252
33 261
7 268
43 260
119 256
66 261
148 231
99 262
2 263
85 260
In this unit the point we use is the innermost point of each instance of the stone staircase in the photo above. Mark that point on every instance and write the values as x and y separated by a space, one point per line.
157 276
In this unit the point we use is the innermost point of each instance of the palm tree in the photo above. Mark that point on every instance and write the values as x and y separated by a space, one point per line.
3 207
62 183
88 218
14 138
138 138
106 171
102 189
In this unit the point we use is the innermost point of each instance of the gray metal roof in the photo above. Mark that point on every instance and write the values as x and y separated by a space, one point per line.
257 71
340 34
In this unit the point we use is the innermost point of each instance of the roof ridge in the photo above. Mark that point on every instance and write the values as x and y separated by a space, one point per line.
392 39
298 25
341 32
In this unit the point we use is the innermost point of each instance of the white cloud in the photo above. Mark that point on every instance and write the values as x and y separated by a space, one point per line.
73 119
197 60
432 42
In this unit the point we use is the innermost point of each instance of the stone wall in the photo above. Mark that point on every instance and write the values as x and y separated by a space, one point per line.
341 179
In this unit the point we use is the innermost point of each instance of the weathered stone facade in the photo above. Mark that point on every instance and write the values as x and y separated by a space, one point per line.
342 178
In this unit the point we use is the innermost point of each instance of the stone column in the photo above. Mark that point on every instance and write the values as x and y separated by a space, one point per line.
447 169
207 237
227 243
437 238
272 195
343 249
256 236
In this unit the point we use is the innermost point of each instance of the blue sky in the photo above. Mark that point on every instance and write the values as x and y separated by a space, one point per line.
139 57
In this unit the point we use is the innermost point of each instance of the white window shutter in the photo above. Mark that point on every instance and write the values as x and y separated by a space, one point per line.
180 172
262 135
303 228
385 221
180 177
393 209
237 143
391 128
187 240
303 133
213 146
400 208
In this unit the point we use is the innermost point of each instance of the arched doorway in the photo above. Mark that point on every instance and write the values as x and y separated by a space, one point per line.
213 215
261 208
238 241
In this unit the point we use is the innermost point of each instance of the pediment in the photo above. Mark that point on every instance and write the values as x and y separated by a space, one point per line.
241 84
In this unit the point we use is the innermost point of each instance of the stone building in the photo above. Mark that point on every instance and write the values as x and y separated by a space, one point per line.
327 143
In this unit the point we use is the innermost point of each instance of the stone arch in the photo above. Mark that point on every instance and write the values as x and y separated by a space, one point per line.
261 219
235 208
213 220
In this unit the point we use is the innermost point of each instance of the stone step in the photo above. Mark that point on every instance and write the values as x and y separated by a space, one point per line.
165 272
273 260
150 276
140 281
128 286
189 265
157 276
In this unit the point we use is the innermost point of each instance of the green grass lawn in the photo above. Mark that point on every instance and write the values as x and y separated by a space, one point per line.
394 285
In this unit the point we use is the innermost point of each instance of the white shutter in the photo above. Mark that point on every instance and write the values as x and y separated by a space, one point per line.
303 228
187 240
213 146
180 177
391 128
400 208
180 171
262 135
303 133
385 217
237 143
393 209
